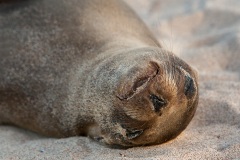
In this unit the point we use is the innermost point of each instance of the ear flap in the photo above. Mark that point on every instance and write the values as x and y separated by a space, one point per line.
136 80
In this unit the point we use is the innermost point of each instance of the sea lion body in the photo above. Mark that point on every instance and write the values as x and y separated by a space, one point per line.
90 67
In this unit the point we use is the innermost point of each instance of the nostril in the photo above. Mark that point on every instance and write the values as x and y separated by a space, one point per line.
131 134
189 88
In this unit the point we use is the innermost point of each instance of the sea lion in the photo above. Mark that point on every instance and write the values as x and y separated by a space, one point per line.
90 67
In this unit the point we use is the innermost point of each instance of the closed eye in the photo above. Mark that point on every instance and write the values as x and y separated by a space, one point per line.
158 103
131 134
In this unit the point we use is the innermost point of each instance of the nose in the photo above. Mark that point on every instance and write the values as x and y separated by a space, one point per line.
189 88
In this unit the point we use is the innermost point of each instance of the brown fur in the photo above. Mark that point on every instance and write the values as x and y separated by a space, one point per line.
88 67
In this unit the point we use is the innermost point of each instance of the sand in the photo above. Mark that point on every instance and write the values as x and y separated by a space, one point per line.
206 34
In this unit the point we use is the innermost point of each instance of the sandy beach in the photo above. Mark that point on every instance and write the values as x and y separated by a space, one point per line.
206 34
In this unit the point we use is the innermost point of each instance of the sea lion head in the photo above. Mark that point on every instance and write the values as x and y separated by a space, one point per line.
155 98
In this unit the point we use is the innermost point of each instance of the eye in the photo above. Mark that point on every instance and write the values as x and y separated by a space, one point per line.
158 103
131 134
